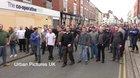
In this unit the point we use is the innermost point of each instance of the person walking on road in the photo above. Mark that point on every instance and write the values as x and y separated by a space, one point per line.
21 39
12 43
28 33
67 46
134 34
117 44
94 39
60 34
3 43
50 42
84 42
43 42
102 40
35 42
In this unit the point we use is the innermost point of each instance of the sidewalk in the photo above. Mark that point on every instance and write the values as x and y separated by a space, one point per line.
20 55
132 62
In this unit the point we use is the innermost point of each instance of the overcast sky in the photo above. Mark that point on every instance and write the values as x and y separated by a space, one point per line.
120 8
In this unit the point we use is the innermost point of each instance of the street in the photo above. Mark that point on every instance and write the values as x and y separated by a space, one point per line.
69 38
109 69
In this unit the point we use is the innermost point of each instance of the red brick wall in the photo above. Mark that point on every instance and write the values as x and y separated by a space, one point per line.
78 7
137 8
57 5
40 3
70 6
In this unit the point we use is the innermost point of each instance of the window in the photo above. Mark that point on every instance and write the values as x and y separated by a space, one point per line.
49 4
65 5
81 1
81 10
28 1
75 8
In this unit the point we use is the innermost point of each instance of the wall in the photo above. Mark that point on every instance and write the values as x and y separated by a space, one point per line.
40 3
17 19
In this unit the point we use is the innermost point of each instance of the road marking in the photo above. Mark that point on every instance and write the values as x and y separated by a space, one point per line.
120 71
122 68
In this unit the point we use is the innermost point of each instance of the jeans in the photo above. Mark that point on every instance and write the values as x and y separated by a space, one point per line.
37 52
67 51
134 43
3 53
27 45
101 49
43 47
13 49
60 51
83 52
50 49
116 53
94 51
131 41
22 44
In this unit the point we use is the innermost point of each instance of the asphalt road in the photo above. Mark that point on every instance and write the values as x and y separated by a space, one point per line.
109 69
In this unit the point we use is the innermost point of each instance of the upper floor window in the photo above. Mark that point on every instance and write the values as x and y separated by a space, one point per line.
28 1
75 8
81 1
49 4
65 4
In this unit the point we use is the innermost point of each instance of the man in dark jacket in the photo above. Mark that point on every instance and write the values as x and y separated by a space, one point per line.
134 34
67 46
28 33
102 39
117 43
84 43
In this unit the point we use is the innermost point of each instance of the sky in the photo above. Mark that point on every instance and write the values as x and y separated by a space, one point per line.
120 8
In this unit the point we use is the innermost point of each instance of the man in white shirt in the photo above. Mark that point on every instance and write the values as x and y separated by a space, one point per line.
50 42
21 38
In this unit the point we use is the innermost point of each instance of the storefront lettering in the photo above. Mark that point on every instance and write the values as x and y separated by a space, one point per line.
21 7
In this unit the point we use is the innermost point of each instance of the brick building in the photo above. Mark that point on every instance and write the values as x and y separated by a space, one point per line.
136 8
73 12
136 11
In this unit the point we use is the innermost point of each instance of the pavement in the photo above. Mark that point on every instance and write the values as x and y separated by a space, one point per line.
109 69
20 55
132 62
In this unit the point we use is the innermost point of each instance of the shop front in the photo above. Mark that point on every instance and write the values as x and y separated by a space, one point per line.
69 19
17 14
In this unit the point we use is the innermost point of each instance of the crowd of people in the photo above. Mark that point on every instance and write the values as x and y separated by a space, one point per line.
89 40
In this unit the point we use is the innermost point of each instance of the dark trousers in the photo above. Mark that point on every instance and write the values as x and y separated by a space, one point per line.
122 48
101 51
134 43
13 49
37 52
27 45
3 54
67 51
88 54
43 47
116 53
75 45
50 49
60 52
22 44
